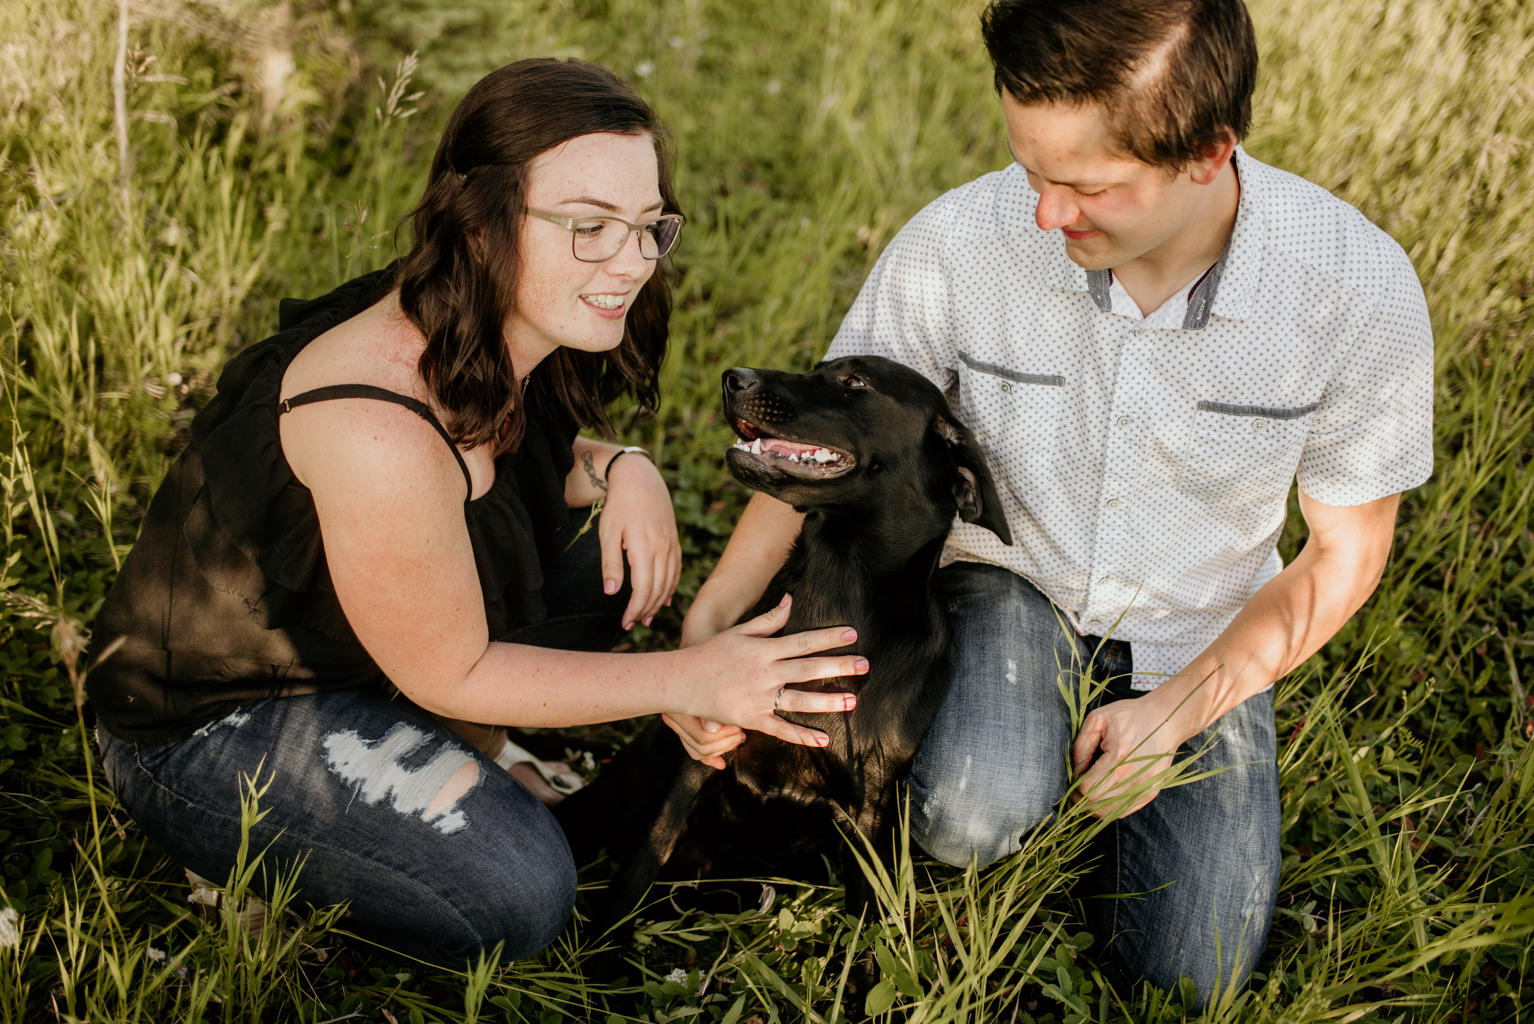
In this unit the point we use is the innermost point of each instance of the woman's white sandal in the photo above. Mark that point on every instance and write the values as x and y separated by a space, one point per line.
561 778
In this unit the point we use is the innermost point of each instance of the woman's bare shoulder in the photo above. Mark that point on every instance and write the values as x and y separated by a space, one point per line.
378 346
366 439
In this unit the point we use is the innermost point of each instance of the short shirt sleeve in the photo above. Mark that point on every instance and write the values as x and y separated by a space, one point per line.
903 310
1373 433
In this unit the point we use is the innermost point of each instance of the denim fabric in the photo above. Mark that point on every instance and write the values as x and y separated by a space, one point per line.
349 785
348 780
1186 885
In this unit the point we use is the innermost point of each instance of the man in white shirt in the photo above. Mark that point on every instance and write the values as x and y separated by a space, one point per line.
1153 334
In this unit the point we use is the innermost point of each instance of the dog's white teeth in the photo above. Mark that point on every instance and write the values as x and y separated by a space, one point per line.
806 457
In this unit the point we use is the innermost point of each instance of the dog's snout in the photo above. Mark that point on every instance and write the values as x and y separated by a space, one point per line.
740 378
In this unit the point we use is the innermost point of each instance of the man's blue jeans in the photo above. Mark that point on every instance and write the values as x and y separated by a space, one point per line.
360 793
1184 886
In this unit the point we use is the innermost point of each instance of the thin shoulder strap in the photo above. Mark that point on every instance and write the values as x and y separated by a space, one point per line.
334 391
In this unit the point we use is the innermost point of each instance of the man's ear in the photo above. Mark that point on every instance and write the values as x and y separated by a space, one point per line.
973 490
1213 159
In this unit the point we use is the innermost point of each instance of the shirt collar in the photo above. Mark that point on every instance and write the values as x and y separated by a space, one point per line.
1242 258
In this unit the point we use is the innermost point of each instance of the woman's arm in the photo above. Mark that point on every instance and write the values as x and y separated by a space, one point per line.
637 521
390 502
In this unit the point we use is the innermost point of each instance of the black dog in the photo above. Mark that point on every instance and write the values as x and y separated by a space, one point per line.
868 449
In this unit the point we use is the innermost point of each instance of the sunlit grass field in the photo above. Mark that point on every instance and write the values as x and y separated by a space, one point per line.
162 187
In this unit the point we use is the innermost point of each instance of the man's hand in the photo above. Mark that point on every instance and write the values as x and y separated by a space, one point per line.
1123 753
704 740
1128 744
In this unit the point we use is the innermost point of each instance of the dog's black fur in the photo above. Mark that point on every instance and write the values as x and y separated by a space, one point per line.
893 469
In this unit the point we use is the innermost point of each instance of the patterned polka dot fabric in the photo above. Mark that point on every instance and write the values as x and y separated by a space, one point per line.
1145 465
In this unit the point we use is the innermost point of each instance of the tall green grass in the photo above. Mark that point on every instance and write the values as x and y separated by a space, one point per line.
271 150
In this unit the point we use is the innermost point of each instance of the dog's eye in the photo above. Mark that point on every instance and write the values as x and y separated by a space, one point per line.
852 380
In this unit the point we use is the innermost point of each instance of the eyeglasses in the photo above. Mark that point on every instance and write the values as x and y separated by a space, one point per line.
599 239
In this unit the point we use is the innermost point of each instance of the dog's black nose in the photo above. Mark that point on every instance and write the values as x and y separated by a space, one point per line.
741 378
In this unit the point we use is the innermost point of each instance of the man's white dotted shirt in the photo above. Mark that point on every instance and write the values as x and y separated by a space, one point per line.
1144 462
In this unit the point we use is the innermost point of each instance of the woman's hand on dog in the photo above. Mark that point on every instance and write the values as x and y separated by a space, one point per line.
756 669
637 520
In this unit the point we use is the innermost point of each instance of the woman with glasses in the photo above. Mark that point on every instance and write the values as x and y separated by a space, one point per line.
370 558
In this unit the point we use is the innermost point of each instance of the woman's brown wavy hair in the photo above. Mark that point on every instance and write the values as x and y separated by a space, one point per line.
458 282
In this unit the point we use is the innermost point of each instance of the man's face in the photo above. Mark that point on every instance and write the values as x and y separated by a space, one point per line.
1111 208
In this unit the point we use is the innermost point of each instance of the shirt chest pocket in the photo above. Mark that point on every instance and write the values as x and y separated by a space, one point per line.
1242 457
1011 406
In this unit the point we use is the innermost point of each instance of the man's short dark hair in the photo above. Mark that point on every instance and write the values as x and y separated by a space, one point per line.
1173 75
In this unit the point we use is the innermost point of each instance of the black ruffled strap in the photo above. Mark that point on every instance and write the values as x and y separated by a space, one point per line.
333 391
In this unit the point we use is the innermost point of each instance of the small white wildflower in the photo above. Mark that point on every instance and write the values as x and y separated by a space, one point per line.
677 977
10 930
644 69
203 895
173 379
774 87
157 955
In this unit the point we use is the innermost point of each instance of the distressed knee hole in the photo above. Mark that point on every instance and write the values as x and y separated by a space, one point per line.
454 789
402 771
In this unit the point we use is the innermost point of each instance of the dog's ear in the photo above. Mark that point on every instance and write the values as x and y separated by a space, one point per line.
974 490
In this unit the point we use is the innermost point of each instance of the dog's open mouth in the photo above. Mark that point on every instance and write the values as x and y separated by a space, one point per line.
794 457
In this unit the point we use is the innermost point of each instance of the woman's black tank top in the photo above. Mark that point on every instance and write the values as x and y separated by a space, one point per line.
226 599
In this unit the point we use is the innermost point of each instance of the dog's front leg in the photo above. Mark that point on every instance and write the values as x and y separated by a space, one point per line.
639 872
873 841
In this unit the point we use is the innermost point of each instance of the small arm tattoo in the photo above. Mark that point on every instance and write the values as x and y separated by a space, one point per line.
591 472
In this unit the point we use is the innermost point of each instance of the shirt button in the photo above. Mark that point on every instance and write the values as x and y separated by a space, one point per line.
1093 622
1124 421
1103 580
1259 425
1005 387
1113 503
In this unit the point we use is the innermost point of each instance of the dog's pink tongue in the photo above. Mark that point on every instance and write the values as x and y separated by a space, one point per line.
778 446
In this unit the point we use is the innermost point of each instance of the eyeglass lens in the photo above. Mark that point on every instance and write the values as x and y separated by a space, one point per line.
600 238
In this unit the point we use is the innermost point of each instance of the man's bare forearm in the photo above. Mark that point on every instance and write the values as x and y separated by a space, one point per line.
756 551
1290 618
